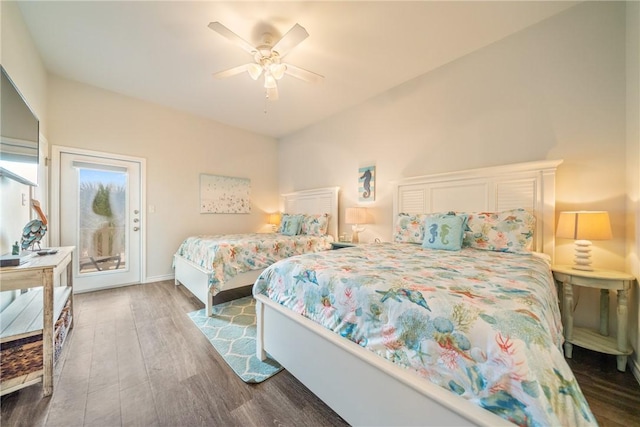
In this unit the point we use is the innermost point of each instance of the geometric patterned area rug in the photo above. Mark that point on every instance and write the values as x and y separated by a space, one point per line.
232 332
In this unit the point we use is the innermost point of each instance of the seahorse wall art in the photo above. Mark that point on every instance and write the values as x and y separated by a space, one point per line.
366 183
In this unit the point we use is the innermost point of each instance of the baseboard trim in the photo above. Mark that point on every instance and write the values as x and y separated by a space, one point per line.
160 278
147 280
153 279
77 290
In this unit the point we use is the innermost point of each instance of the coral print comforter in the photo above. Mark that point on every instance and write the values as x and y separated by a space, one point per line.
484 325
229 254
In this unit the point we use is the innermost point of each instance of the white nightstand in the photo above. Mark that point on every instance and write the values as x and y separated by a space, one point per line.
600 341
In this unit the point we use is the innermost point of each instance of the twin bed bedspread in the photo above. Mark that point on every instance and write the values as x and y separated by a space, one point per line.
230 254
484 325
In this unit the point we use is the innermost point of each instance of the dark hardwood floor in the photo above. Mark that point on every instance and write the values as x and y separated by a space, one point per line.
135 358
614 396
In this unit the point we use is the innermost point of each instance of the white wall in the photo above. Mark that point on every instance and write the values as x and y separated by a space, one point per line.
553 91
177 147
633 169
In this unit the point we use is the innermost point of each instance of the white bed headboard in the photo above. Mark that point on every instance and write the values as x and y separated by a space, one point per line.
522 185
316 201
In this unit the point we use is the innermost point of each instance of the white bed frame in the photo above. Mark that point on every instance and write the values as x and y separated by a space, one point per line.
366 389
316 201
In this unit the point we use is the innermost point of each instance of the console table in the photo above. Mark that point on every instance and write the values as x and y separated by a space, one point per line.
600 341
36 311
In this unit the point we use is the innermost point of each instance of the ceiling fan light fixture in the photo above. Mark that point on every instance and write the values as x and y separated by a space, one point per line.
254 71
267 58
269 81
277 70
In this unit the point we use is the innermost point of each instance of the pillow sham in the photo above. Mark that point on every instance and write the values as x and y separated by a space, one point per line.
290 224
409 228
315 225
444 231
506 231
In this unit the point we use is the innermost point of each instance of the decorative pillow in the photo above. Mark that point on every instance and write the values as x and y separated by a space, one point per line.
409 228
290 224
283 218
315 225
506 231
444 231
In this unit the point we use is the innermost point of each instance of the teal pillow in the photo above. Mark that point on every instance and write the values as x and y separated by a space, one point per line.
444 232
291 225
283 220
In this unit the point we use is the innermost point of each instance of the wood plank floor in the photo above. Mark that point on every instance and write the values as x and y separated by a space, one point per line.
135 358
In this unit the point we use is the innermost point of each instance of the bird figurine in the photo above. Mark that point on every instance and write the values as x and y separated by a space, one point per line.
35 229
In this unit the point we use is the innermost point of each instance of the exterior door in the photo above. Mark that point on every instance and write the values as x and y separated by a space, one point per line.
100 214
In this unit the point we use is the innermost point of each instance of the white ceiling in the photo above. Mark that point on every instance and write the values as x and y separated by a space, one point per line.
163 51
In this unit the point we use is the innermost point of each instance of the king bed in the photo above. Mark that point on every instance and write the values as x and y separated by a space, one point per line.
209 264
455 322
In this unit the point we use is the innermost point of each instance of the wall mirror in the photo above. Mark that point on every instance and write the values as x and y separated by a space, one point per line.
19 131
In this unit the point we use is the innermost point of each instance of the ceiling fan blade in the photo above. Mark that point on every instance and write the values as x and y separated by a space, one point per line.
232 71
302 74
272 93
232 37
290 40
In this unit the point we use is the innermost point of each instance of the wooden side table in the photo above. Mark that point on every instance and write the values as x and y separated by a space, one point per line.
39 271
600 341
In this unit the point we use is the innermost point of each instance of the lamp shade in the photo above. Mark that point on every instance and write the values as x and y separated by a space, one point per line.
356 216
584 225
274 218
277 70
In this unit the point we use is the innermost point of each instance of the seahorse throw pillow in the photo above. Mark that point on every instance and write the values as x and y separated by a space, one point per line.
445 231
290 224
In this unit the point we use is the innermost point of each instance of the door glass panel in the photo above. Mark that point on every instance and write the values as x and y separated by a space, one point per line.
102 217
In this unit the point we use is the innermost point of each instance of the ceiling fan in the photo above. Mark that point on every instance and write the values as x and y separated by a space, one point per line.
267 58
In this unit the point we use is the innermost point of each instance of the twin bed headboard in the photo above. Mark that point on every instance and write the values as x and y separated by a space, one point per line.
523 185
316 201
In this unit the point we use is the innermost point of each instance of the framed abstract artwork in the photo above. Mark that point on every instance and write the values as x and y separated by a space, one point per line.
367 184
224 194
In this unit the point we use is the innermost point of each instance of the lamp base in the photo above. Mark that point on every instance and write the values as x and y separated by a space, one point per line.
582 261
354 236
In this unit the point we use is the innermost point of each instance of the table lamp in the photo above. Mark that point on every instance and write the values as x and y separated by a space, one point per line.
274 220
584 226
356 216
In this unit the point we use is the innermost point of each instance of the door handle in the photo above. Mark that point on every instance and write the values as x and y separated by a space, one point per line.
136 228
136 220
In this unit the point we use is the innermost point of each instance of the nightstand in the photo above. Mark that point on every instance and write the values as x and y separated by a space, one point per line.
342 245
600 341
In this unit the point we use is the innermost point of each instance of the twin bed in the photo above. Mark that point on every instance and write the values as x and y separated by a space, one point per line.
401 333
208 265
